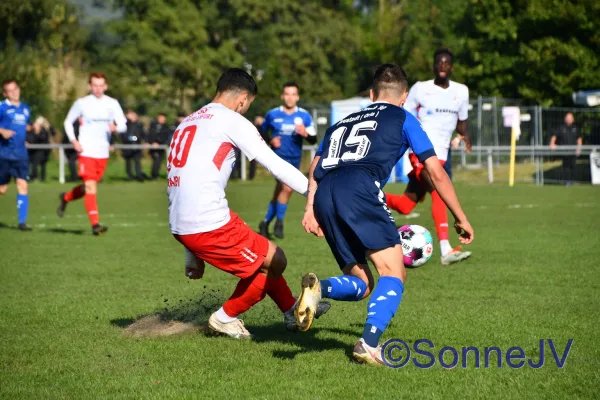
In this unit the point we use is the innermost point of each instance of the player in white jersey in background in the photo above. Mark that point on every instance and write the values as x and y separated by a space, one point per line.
442 107
200 162
99 116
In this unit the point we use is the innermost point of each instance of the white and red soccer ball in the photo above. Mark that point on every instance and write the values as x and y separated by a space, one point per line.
417 245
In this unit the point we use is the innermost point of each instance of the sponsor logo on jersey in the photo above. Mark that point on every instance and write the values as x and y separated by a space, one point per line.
445 111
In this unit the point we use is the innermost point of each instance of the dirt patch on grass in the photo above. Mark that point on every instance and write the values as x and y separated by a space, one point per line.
184 317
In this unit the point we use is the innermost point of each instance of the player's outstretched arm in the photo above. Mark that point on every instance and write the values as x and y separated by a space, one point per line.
444 187
284 172
309 222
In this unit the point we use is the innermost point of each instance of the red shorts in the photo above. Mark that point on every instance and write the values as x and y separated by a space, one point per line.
233 248
91 169
417 166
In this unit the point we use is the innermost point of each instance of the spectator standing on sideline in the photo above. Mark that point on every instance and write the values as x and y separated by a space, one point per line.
159 134
568 134
41 133
135 135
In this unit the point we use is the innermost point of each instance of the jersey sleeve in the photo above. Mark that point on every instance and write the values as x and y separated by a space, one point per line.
27 114
417 138
320 149
119 117
308 123
266 125
244 135
72 116
3 119
412 101
463 111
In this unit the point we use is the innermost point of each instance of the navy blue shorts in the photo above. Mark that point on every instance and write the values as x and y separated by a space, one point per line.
350 208
16 168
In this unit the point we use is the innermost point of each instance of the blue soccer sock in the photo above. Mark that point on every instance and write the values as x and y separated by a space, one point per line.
23 207
383 304
345 288
270 212
281 209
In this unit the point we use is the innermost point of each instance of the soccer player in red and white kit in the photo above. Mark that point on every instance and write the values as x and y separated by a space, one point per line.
200 162
442 106
99 116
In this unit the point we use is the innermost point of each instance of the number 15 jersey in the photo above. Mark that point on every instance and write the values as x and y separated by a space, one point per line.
374 139
200 162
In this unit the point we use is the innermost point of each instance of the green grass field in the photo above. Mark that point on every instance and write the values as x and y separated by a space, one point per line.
67 296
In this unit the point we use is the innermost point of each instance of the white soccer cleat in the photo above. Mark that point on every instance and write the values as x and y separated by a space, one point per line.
306 306
365 354
455 256
234 329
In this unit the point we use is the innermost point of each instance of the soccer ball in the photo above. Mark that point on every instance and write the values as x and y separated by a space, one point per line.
417 245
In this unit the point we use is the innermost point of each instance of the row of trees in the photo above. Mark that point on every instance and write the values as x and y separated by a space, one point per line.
166 54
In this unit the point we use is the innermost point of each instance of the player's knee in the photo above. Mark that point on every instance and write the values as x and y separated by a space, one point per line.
277 263
3 189
22 186
90 187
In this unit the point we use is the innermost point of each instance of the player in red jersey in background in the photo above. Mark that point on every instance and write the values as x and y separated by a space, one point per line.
99 116
442 106
199 165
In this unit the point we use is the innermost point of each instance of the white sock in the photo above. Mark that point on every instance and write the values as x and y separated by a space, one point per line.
223 317
445 247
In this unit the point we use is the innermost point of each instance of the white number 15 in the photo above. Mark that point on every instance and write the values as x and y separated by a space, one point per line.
354 139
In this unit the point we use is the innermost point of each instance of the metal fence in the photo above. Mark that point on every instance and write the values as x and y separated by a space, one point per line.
489 159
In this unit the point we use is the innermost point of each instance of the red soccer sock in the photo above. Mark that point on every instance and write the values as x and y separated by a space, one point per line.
92 208
247 293
400 203
438 211
279 291
76 193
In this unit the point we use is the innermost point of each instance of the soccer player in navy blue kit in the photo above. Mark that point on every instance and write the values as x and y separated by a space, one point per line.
346 204
14 160
289 125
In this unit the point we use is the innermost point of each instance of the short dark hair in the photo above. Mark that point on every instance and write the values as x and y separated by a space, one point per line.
443 51
389 77
181 114
237 80
97 75
291 84
7 81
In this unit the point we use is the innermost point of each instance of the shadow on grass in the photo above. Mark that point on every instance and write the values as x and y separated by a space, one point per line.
66 231
4 226
190 317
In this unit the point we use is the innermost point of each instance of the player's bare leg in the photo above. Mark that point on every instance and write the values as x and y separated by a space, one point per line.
269 281
449 255
405 203
383 304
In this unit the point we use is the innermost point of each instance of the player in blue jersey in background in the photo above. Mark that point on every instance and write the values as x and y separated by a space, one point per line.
346 204
14 160
289 126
